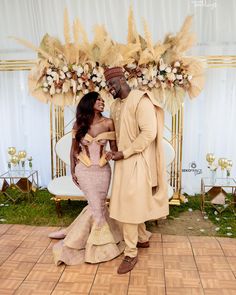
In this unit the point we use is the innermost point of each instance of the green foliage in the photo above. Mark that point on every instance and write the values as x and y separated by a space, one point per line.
225 221
39 210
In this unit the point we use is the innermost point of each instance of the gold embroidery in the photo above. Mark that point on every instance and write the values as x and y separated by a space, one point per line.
100 235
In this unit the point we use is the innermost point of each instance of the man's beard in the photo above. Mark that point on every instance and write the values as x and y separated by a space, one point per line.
117 93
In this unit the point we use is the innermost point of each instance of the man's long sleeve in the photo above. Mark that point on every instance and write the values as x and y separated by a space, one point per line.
147 123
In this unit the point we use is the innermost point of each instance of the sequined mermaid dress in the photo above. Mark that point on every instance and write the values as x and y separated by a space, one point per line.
93 236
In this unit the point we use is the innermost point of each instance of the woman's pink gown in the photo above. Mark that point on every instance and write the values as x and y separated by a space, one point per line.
93 236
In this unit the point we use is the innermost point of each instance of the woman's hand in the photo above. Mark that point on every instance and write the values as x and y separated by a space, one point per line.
109 156
116 156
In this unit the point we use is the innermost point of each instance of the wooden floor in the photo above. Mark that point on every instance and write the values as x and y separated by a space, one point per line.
172 265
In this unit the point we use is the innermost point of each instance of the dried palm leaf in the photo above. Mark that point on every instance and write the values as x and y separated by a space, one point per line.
50 45
132 32
174 98
76 39
66 27
148 37
33 47
145 57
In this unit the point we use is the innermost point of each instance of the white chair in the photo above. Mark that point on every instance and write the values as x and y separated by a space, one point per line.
63 188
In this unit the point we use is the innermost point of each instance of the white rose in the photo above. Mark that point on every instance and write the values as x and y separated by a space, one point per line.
62 76
154 72
85 91
174 70
50 82
49 78
49 71
94 79
99 79
79 87
45 84
80 70
162 67
171 76
160 77
103 84
75 68
131 66
53 73
96 88
80 81
56 77
45 90
177 64
168 69
190 77
145 82
69 75
126 75
65 69
87 83
179 77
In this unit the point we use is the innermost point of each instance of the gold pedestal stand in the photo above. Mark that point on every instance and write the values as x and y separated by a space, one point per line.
57 127
176 166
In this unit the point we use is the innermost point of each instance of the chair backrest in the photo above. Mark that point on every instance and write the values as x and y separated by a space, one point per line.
63 146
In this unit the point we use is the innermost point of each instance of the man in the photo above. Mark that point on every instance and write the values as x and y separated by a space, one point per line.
139 191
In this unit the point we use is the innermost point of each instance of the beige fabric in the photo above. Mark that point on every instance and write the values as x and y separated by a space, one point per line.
132 234
143 234
83 157
140 131
87 242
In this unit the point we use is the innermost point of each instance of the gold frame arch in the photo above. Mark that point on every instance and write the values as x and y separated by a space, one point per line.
57 122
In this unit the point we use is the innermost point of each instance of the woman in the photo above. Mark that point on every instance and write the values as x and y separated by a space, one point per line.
93 237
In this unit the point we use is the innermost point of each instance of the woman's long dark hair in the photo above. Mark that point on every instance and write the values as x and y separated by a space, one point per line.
85 115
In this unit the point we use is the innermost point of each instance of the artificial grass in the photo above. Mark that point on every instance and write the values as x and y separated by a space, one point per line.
40 210
225 221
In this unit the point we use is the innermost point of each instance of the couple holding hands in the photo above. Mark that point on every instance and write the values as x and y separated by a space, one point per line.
139 189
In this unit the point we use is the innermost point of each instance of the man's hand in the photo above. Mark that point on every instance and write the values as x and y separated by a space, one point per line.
116 156
109 156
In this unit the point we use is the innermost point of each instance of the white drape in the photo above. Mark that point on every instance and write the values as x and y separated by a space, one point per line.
214 21
209 126
24 122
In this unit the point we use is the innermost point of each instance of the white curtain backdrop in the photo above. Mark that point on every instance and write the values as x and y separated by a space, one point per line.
24 124
208 121
209 126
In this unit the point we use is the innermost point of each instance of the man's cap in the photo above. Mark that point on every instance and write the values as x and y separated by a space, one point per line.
114 72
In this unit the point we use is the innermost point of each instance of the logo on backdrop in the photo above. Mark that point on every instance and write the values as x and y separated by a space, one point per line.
205 3
193 168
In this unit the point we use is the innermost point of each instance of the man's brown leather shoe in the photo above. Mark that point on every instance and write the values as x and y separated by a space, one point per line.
143 245
127 264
